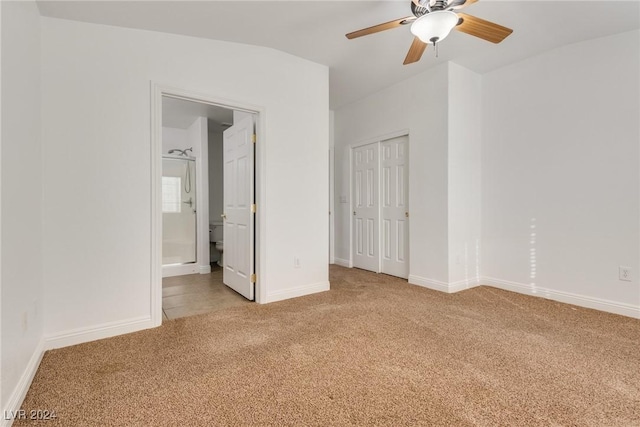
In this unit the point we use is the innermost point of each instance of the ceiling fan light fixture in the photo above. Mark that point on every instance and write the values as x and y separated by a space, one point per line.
434 26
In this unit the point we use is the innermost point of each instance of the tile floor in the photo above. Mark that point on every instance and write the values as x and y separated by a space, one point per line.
193 294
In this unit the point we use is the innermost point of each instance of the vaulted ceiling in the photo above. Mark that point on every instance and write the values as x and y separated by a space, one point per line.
316 30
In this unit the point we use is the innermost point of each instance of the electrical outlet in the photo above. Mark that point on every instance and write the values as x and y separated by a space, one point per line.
624 273
296 262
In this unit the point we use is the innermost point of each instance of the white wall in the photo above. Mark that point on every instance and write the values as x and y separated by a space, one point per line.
441 110
97 206
533 183
174 138
560 153
21 195
216 175
198 137
465 116
419 105
2 405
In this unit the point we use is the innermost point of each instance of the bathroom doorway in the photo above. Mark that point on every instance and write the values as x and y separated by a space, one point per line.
205 249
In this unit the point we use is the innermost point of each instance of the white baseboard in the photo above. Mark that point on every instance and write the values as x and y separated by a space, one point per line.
298 292
435 285
98 332
464 284
521 288
565 297
205 269
180 270
20 391
343 262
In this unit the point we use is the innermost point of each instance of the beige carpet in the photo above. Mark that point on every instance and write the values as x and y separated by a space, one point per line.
372 351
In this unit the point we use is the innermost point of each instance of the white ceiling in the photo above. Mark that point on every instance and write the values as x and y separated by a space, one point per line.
178 113
315 30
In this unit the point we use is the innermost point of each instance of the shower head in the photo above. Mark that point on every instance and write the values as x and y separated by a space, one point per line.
182 152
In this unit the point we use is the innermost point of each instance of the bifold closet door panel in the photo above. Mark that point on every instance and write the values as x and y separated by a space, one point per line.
394 174
366 216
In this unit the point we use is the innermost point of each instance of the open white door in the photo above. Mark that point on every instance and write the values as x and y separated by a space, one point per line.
238 202
365 208
395 207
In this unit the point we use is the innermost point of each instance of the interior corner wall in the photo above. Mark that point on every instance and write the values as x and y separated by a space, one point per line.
21 195
216 175
332 145
2 405
418 105
464 176
560 172
198 137
97 200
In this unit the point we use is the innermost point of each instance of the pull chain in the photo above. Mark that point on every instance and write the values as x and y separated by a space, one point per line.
434 40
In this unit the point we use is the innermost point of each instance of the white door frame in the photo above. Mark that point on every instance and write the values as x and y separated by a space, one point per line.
157 92
377 139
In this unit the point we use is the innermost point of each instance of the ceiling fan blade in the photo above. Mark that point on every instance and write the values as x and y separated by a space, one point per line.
486 30
415 51
381 27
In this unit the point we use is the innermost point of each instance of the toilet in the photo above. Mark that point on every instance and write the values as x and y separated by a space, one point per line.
220 248
215 239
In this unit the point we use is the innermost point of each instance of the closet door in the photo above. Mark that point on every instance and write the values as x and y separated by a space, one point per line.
366 208
395 207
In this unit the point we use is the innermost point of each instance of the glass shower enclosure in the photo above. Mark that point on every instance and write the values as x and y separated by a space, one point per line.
179 234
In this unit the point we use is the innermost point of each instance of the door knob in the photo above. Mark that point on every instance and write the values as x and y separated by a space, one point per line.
354 213
223 216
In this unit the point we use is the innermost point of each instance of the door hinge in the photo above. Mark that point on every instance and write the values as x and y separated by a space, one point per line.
253 208
254 137
254 278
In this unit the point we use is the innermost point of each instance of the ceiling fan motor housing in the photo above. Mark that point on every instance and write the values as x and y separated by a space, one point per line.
427 6
418 11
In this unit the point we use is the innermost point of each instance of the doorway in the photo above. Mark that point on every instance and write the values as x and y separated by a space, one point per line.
185 202
380 194
204 258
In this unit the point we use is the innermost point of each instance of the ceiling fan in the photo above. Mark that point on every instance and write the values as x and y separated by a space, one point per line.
433 20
